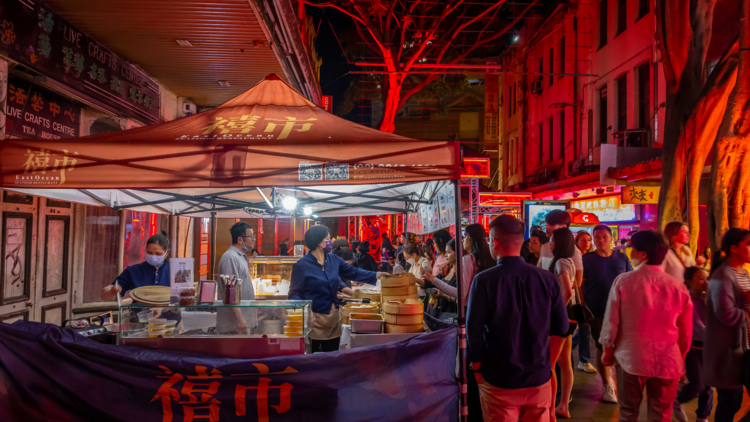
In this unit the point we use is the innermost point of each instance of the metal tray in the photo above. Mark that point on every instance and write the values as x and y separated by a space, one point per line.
367 326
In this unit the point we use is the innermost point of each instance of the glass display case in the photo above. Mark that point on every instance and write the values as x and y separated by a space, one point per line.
271 275
253 329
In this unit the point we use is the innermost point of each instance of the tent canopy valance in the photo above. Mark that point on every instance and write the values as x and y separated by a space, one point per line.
269 136
232 158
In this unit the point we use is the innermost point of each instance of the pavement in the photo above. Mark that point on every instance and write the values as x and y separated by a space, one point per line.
588 407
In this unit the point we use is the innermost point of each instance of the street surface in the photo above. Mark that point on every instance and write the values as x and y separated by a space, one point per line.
588 407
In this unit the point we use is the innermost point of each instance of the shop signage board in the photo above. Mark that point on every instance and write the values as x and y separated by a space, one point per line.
491 105
640 194
476 168
156 385
606 208
42 40
328 103
33 112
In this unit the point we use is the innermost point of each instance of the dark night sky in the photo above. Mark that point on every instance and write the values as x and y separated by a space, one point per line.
335 65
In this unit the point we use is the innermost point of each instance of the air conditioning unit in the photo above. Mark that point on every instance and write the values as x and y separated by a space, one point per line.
189 108
537 86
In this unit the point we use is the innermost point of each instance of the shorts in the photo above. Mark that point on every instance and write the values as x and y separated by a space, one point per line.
596 331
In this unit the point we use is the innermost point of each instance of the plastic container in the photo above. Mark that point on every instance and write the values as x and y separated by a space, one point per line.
170 324
145 316
186 291
169 331
294 311
294 317
272 326
156 333
156 323
291 323
292 331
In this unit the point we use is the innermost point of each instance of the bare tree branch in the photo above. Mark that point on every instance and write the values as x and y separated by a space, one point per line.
335 6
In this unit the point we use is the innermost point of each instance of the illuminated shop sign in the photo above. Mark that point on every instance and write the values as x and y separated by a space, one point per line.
607 208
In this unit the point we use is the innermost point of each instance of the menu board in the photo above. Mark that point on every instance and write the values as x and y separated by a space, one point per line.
180 275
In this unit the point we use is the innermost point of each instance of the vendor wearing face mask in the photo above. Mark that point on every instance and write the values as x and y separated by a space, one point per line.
237 320
317 277
153 272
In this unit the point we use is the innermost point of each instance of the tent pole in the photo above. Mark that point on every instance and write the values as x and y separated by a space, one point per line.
463 385
212 255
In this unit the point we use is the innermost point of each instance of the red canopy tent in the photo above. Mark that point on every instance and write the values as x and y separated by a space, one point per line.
268 136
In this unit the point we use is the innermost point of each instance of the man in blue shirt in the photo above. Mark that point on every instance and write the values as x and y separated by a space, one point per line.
513 310
600 269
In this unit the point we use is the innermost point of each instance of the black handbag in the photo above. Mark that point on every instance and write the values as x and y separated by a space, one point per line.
579 313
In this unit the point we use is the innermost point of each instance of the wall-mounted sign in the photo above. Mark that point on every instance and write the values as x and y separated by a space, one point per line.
584 218
476 167
640 194
41 39
501 199
606 208
33 112
328 103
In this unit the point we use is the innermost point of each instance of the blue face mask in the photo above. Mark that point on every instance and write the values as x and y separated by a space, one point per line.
155 260
329 246
245 247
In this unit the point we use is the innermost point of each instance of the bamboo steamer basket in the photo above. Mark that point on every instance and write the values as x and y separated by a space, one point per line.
399 291
374 297
400 308
349 308
403 319
402 329
400 280
400 298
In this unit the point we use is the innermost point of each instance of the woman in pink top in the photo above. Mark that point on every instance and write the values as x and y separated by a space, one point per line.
441 238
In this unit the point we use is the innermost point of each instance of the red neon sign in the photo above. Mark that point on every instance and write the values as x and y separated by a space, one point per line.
328 103
476 168
499 199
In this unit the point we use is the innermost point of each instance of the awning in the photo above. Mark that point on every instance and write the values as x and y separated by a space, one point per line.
221 160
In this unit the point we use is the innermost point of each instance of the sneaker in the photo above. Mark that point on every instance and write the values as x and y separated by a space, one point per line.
679 412
586 367
608 394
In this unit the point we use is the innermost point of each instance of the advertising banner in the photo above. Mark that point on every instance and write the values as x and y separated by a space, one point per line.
48 373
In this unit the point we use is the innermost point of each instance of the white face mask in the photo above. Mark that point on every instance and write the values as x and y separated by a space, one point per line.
410 261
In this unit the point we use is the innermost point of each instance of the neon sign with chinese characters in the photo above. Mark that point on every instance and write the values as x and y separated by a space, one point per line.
607 208
499 199
476 168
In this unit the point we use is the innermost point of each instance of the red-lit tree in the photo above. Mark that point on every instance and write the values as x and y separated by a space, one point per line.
694 108
402 34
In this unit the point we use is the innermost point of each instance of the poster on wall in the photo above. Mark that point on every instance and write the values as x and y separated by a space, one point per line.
424 219
451 200
442 197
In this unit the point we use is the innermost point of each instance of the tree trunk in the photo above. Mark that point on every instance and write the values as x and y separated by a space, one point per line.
391 95
683 41
729 200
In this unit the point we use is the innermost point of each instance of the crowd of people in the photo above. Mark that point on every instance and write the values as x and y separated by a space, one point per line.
657 316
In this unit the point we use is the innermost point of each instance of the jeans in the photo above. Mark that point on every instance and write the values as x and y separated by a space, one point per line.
728 404
582 340
696 387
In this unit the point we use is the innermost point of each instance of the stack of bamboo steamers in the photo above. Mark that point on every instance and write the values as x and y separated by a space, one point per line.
402 309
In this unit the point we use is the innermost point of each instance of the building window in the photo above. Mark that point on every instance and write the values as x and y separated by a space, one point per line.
622 16
541 143
622 103
562 135
551 65
643 8
603 115
562 57
541 73
603 23
644 86
551 138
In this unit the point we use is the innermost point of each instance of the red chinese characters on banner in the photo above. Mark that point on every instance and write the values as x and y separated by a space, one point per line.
191 403
327 102
198 400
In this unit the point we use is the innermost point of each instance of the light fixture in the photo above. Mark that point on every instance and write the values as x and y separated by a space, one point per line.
307 210
516 38
184 43
315 216
225 84
289 202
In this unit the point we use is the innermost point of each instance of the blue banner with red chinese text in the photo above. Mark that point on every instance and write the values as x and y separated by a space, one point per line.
48 373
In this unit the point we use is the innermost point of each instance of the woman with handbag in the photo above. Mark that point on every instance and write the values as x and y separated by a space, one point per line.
726 343
563 248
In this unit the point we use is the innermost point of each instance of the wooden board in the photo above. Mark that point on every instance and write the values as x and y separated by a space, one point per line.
404 319
397 308
399 291
398 329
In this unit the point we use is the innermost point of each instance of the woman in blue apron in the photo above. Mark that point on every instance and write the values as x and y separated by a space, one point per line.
153 272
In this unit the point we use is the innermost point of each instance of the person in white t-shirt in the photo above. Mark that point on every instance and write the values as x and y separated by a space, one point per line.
557 219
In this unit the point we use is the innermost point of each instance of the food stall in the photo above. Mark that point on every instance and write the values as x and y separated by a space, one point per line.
246 158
